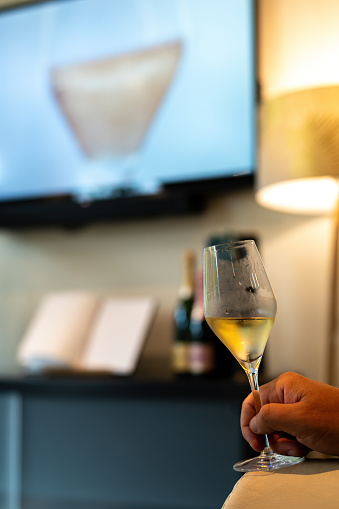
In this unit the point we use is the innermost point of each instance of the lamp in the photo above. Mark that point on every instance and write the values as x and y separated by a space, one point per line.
298 167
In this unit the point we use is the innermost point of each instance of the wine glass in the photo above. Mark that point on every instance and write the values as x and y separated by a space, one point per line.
240 308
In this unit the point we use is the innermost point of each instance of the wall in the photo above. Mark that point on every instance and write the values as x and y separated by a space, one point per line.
298 44
143 258
298 48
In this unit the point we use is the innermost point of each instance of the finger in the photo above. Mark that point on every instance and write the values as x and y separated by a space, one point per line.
286 388
257 442
277 417
287 445
268 392
247 410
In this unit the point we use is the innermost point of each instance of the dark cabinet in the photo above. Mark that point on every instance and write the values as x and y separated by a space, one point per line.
78 442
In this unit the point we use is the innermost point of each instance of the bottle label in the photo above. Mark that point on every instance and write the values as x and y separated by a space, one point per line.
180 357
201 358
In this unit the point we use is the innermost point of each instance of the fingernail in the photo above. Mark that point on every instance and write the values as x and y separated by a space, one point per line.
253 425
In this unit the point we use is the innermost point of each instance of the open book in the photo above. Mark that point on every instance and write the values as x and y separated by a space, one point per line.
82 331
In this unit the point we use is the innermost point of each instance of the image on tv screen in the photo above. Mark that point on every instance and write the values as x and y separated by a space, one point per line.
100 98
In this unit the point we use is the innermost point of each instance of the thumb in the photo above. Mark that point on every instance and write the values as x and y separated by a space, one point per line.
276 417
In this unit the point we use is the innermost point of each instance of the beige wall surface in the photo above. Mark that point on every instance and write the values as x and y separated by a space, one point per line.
138 258
143 257
298 44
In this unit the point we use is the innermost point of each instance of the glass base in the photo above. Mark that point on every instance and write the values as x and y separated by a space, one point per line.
266 461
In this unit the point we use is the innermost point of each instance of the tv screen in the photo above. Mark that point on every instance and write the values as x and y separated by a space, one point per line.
117 107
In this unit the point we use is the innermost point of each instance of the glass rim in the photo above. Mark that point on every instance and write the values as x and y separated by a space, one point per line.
228 246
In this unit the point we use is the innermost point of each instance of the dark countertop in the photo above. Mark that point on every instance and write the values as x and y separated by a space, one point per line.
84 385
151 380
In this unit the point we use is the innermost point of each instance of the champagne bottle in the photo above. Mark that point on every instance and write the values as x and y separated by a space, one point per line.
182 316
201 348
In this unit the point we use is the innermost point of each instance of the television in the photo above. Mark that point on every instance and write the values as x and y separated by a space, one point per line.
116 109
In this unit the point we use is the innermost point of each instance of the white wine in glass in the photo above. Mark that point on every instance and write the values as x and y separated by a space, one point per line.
240 308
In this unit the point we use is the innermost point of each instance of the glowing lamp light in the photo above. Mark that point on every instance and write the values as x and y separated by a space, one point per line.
301 196
298 162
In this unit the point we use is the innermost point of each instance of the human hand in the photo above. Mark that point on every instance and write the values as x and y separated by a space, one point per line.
297 414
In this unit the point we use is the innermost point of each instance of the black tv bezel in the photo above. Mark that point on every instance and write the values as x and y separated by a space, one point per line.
185 197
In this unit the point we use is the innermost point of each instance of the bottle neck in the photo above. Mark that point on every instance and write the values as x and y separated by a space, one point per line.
186 289
198 307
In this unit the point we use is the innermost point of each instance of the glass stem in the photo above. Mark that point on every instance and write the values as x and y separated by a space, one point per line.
252 375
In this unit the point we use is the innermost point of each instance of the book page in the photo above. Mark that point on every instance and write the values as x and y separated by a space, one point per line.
118 334
58 330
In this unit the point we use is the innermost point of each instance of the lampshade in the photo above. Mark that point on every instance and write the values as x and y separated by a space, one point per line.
298 159
298 169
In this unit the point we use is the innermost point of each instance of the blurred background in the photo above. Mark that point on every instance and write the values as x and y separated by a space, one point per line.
295 46
143 256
